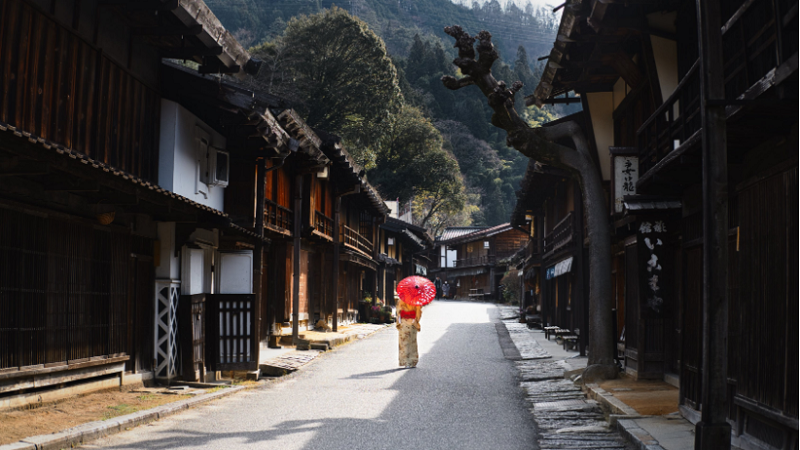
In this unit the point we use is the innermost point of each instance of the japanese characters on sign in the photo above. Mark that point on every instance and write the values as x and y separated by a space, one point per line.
652 235
626 174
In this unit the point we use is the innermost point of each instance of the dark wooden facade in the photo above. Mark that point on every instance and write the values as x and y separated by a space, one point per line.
80 98
661 117
550 210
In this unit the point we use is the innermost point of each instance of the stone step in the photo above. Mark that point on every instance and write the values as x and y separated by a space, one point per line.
288 362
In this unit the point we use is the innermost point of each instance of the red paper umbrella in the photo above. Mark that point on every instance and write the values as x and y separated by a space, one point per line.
417 291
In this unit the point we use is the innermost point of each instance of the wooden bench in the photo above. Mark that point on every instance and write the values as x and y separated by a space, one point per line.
533 320
560 333
570 341
549 330
476 293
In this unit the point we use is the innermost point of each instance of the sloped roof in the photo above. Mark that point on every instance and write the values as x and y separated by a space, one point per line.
454 232
477 234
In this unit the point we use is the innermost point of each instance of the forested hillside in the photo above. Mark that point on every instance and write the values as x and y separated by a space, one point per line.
413 37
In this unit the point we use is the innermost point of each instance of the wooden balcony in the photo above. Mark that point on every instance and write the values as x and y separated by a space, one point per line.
352 239
485 260
323 225
277 217
755 59
561 236
675 124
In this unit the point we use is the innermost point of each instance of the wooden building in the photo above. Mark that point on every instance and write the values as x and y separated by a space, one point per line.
694 124
549 210
80 127
358 211
402 253
470 260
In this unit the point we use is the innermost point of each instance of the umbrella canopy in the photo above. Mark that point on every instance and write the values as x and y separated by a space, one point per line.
417 291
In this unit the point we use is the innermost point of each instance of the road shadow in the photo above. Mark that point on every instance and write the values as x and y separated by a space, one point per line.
463 395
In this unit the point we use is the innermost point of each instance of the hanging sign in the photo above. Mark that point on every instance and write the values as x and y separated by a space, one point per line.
626 174
560 268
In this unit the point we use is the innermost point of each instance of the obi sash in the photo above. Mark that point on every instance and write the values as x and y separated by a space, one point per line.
408 314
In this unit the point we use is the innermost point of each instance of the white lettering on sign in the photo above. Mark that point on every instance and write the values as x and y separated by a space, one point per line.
626 174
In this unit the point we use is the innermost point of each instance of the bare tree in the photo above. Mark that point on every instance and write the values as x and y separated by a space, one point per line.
540 144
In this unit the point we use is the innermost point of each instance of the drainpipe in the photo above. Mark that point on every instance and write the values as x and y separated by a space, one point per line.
336 250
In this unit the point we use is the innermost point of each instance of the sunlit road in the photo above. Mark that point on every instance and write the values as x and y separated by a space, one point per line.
463 395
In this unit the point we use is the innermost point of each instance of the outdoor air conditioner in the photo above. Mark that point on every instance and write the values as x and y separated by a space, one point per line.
218 167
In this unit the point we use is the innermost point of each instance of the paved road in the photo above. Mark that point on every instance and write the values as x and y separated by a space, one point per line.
463 395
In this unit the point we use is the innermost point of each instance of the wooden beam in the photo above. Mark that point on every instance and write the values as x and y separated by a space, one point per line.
191 52
166 5
627 69
218 68
22 167
73 185
193 30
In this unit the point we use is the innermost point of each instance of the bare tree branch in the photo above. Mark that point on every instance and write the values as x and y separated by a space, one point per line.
540 144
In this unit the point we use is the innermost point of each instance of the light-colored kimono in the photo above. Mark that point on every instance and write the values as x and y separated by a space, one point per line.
408 343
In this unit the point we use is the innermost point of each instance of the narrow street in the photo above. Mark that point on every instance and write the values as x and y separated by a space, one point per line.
464 394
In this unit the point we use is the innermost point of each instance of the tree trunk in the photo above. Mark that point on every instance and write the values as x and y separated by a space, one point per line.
540 144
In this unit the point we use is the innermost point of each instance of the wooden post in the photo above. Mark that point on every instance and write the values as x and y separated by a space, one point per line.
337 206
581 301
298 206
375 258
258 257
713 430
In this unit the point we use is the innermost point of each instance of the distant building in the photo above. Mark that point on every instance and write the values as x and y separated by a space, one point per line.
470 259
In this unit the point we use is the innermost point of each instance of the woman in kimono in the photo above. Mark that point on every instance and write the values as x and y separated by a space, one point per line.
408 317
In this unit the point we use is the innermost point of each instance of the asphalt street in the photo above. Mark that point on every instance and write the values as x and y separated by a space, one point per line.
464 394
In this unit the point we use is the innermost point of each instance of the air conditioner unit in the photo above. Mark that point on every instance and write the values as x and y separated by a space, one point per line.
218 167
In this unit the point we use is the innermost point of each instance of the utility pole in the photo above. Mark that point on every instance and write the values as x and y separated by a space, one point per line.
713 430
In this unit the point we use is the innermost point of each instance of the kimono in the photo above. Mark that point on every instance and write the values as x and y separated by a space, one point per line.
409 356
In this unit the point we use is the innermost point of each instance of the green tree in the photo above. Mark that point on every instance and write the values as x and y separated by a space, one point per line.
411 158
339 71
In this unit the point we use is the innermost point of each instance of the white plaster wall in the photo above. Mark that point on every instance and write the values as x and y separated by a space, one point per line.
601 108
169 265
665 53
194 271
178 162
235 272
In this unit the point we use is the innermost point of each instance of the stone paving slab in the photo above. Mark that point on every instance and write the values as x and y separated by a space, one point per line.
288 362
508 312
541 370
528 346
564 417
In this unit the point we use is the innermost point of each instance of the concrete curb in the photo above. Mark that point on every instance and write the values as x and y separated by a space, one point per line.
101 428
637 435
612 404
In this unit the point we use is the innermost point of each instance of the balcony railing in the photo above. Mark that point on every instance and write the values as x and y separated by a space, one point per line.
323 224
277 216
561 236
485 260
534 247
753 41
674 123
351 238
